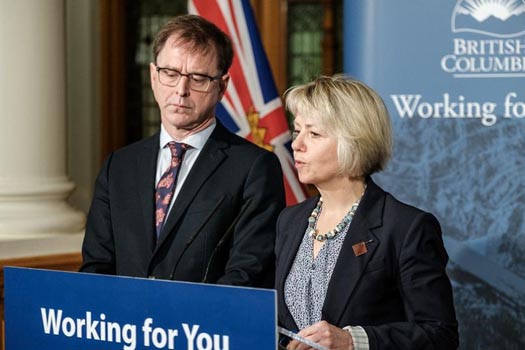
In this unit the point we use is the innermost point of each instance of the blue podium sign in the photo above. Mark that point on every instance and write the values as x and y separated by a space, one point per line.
65 310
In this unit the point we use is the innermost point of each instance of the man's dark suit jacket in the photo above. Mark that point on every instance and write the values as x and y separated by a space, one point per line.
230 177
397 291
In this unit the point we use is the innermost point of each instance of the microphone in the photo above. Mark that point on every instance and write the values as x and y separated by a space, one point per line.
223 239
192 238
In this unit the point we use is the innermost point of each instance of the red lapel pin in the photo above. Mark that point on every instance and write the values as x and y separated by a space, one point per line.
360 248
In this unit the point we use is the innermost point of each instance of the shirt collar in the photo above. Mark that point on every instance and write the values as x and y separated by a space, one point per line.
196 141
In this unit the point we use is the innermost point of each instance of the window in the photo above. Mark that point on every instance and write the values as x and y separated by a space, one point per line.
313 40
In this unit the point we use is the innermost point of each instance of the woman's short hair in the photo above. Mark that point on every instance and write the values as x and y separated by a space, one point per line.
352 112
200 35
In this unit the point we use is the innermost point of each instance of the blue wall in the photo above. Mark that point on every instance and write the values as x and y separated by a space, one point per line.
452 74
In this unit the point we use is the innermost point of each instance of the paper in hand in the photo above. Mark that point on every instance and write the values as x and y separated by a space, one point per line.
294 336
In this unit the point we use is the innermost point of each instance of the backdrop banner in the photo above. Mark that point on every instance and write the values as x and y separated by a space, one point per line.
51 310
452 75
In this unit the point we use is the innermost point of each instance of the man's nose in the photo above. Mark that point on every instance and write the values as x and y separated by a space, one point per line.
183 87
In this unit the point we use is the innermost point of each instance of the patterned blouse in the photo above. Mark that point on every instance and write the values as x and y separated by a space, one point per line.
306 284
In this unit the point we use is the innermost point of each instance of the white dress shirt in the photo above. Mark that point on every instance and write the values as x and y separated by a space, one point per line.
196 141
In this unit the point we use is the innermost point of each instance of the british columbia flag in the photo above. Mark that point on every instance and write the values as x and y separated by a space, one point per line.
251 106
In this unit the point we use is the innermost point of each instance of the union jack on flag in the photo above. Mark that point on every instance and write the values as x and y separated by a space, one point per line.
251 106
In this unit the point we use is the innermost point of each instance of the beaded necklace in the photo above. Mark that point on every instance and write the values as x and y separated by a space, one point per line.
312 222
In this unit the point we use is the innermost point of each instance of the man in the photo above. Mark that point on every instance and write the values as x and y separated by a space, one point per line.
202 208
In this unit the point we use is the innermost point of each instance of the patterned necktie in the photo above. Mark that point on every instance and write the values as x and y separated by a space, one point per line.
166 185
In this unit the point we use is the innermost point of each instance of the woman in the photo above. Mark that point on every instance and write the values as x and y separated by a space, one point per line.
356 268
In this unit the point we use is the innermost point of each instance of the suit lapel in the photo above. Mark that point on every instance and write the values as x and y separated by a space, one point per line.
146 170
294 233
350 267
209 159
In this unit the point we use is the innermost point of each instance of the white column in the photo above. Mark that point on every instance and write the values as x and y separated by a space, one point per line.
34 186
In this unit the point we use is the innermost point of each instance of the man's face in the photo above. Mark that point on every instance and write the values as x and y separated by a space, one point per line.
184 111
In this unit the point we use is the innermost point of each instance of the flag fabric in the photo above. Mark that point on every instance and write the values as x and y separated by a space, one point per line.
251 106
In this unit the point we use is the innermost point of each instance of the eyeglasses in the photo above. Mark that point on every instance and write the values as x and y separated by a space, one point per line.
197 82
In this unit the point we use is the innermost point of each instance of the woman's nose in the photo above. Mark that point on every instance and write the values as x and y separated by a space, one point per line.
297 142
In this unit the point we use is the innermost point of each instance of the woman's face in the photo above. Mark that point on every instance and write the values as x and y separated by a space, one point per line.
315 152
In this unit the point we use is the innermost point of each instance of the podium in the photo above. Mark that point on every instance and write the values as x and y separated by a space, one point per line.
52 310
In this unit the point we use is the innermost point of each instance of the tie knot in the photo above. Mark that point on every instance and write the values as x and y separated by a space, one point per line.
177 149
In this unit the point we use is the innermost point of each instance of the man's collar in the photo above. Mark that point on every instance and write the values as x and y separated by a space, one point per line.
196 140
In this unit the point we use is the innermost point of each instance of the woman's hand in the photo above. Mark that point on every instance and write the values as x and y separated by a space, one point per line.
324 334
